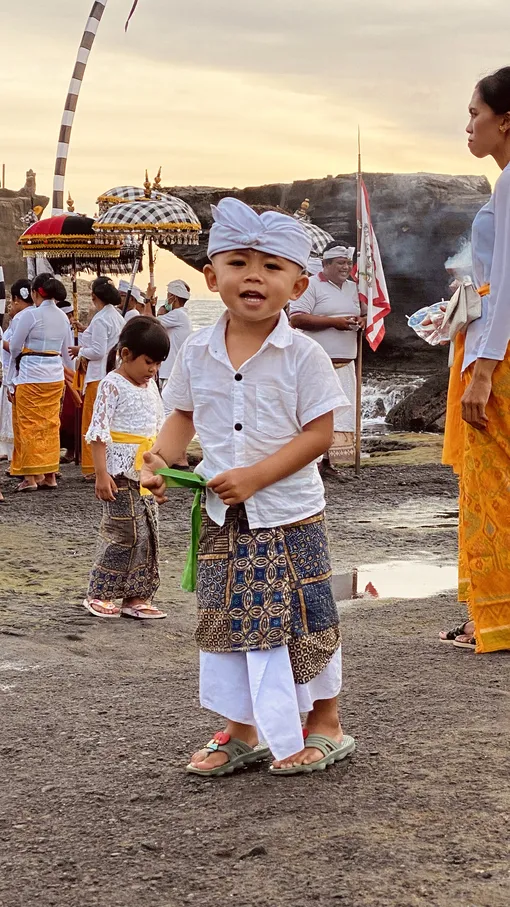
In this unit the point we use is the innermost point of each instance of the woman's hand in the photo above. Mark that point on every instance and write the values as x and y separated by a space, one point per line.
73 351
236 485
106 489
148 478
475 400
11 395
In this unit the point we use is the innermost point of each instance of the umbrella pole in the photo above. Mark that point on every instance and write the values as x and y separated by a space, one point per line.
77 409
134 272
359 357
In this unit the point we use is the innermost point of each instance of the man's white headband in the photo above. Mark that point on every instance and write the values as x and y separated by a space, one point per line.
237 226
339 252
179 288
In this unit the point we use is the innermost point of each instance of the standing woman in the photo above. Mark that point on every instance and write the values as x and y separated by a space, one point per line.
98 341
477 441
20 300
39 351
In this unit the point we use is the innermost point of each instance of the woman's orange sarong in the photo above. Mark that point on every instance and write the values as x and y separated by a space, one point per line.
87 463
482 461
36 429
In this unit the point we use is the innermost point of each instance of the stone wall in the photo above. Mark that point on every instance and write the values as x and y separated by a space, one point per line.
14 205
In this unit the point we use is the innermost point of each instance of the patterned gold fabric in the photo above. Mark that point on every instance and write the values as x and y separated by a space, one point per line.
126 563
259 589
482 461
36 428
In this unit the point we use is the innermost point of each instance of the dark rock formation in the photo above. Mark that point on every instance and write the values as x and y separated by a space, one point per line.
424 409
13 207
419 218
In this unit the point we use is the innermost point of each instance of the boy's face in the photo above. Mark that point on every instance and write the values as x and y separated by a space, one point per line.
253 285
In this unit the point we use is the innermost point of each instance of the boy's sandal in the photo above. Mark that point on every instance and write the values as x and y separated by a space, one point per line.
465 642
239 754
451 635
143 612
332 750
101 609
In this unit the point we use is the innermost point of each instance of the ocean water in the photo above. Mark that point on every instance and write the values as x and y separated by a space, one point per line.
379 394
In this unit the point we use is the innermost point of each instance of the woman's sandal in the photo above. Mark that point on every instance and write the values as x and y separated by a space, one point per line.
451 635
239 754
101 609
464 641
142 612
332 750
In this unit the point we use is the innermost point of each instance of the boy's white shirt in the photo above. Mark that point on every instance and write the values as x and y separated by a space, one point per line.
289 382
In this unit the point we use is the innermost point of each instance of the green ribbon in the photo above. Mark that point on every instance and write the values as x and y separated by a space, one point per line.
177 478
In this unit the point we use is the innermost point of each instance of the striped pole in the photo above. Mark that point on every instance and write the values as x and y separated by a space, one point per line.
3 300
96 14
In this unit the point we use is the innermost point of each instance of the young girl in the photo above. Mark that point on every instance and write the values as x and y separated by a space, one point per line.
127 416
261 397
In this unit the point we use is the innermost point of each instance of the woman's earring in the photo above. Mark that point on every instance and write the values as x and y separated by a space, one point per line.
502 129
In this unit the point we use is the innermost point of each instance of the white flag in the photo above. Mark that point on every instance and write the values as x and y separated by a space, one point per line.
372 288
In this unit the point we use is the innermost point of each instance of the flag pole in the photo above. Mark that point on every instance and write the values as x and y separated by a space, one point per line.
359 356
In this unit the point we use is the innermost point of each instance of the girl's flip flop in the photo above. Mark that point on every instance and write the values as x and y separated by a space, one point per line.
101 609
239 754
143 612
333 752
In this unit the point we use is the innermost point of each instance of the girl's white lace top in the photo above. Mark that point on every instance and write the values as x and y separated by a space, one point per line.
122 406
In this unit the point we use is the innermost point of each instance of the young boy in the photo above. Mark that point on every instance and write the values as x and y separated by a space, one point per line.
261 398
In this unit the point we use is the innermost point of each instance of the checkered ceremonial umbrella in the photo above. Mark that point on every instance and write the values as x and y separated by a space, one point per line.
168 222
121 194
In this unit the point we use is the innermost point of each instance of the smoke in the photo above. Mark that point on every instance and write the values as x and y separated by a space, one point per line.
461 263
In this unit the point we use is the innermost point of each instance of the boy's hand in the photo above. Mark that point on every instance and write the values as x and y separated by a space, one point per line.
236 485
106 489
156 484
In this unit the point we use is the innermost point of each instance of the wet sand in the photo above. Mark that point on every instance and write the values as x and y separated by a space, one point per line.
99 717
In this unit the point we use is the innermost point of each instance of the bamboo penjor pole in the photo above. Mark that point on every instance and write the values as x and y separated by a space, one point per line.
359 357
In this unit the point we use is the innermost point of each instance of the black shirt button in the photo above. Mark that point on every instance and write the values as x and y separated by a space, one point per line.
238 377
238 426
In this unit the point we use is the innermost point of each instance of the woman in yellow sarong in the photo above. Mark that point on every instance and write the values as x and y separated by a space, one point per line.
98 340
477 438
39 351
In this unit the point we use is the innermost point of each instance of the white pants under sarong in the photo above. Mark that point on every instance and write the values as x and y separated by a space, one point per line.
258 688
6 432
345 419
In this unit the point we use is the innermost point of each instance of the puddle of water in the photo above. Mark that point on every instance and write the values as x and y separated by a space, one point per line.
395 579
424 514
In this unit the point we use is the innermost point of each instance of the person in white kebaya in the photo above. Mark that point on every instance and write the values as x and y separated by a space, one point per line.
261 397
329 311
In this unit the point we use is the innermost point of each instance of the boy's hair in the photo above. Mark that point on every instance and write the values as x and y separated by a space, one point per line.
144 336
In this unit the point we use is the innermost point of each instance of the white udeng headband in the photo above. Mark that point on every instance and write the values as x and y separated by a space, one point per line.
339 252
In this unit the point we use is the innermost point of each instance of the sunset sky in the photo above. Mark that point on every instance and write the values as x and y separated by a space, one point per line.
227 94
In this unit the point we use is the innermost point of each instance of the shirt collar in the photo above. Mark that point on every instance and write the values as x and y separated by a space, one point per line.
280 337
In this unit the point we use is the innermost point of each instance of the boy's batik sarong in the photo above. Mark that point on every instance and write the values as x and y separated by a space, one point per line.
265 588
482 461
126 563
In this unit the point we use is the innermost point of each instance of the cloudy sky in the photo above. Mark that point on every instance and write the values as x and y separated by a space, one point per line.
230 93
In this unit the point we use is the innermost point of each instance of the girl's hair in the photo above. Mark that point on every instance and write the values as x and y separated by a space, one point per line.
106 292
144 336
495 90
49 287
21 290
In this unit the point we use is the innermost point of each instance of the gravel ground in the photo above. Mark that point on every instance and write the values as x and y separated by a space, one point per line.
98 721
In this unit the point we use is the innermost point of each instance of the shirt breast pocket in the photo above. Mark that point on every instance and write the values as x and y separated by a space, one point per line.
276 412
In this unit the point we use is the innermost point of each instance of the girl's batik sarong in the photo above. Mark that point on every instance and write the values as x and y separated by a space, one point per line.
482 461
264 588
126 563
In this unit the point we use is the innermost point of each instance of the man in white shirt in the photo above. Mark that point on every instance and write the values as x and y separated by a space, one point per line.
177 324
136 305
175 320
329 312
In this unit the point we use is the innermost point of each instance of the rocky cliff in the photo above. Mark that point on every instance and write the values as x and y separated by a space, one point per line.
14 206
420 221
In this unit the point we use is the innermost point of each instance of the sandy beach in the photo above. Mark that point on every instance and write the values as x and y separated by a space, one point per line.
98 719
